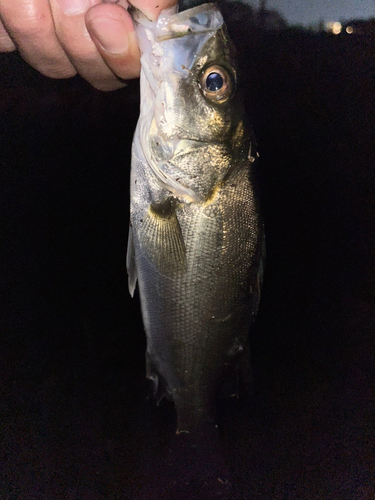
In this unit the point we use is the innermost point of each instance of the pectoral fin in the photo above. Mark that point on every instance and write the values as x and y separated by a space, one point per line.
130 263
162 240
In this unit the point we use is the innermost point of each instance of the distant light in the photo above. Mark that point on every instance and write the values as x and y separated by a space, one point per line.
336 28
349 29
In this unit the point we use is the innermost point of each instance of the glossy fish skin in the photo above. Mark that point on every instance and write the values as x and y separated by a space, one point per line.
195 243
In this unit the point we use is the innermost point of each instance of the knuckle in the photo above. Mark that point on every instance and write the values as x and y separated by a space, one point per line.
50 66
55 70
29 28
26 18
30 19
57 73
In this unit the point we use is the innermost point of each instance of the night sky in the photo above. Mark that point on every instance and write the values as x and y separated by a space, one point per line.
311 11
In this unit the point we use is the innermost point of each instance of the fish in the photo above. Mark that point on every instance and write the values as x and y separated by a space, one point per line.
196 237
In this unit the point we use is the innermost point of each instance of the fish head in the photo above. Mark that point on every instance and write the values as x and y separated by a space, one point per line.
190 107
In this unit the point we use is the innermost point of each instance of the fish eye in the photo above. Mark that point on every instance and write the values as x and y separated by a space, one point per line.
216 84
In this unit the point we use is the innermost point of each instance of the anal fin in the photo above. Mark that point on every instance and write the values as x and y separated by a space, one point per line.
159 385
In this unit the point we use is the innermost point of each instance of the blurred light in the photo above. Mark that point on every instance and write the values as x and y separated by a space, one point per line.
336 28
349 29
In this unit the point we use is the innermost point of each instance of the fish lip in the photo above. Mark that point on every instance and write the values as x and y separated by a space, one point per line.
140 17
170 25
175 28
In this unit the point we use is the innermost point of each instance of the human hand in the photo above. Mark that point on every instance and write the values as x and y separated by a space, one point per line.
60 38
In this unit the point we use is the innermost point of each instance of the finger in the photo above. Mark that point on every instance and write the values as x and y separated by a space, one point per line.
69 17
30 26
6 44
111 28
152 8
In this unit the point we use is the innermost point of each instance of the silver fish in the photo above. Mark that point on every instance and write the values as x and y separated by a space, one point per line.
196 235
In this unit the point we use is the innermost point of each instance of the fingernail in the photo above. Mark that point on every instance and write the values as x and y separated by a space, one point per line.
74 7
110 33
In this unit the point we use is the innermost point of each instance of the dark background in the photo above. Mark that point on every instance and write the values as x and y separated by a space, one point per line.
75 421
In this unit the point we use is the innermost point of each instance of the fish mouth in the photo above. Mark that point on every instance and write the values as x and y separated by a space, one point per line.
200 19
173 24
